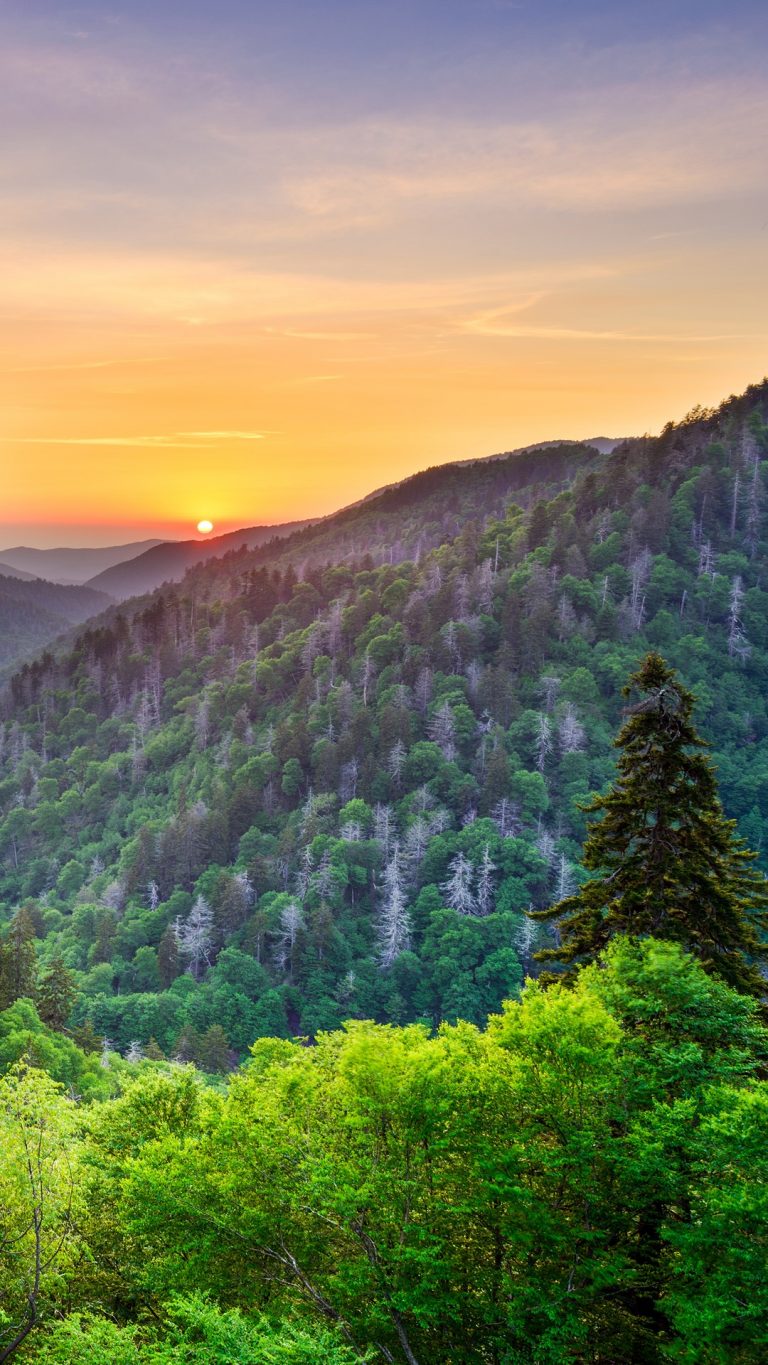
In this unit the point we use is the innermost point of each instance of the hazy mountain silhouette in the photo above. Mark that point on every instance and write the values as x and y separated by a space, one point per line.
69 565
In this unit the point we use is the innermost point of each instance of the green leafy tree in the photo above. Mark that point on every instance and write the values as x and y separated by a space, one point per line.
667 861
38 1198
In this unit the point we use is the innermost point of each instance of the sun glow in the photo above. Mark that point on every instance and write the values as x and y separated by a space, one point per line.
205 527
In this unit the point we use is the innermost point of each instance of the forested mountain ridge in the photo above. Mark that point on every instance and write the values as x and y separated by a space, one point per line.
293 790
405 518
33 612
400 519
168 561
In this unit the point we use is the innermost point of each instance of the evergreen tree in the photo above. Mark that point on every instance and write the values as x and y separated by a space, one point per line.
168 957
56 994
213 1050
18 959
666 861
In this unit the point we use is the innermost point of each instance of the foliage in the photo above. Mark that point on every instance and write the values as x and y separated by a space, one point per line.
583 1180
196 1333
667 860
38 1199
356 771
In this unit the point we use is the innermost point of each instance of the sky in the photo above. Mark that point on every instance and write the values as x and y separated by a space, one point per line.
257 259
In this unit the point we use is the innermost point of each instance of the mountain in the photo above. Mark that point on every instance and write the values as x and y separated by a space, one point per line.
409 517
70 565
325 777
33 612
9 571
343 532
167 562
420 512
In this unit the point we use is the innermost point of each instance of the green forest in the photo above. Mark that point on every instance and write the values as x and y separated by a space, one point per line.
383 921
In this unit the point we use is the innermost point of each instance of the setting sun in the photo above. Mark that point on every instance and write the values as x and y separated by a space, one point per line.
205 527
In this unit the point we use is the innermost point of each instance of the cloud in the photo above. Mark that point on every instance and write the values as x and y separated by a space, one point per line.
177 440
148 442
328 336
86 365
228 435
492 323
316 378
126 156
623 149
154 290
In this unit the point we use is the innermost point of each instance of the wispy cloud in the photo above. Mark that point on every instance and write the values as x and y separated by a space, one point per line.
146 442
228 435
493 323
178 440
316 378
125 154
328 336
190 440
86 365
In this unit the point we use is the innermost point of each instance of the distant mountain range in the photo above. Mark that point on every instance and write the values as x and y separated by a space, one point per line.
65 565
10 571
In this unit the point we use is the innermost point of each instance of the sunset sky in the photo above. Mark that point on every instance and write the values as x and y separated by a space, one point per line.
258 258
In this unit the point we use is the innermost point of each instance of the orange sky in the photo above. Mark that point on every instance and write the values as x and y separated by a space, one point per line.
209 310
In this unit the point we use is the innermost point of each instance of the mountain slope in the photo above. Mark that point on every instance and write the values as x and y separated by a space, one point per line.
33 612
270 802
168 562
10 571
403 518
71 565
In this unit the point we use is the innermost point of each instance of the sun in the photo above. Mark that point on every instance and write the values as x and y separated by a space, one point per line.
205 527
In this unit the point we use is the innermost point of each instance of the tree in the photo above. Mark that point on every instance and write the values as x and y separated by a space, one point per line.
168 957
457 889
17 959
195 936
290 927
738 645
442 730
56 994
213 1052
667 861
394 920
38 1192
485 882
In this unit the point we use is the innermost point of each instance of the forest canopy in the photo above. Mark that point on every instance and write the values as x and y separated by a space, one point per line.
282 848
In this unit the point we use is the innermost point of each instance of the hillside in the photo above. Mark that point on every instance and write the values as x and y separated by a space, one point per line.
33 612
167 562
325 780
70 565
10 571
406 518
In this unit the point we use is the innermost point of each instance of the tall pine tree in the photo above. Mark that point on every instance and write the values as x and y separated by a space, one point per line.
56 994
666 861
